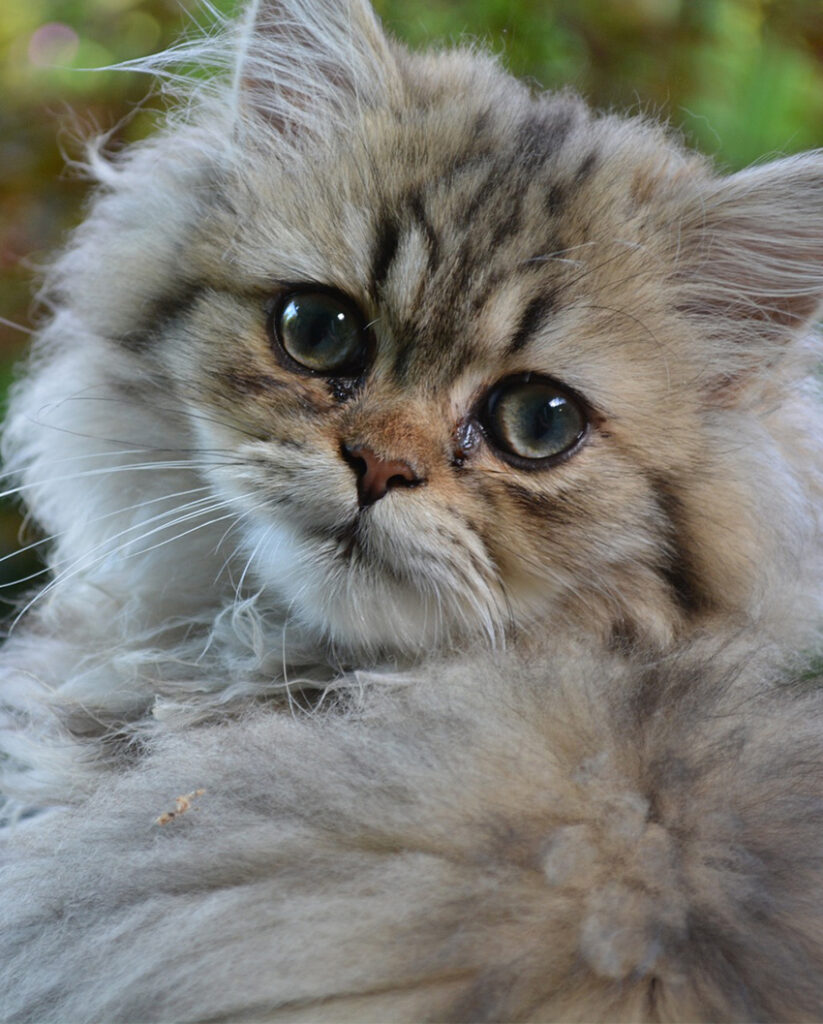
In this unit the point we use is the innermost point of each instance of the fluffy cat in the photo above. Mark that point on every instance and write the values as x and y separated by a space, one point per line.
432 472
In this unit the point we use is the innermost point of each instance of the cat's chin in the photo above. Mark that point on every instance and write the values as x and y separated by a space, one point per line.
340 595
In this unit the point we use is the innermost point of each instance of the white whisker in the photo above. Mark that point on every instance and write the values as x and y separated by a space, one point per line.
15 327
81 564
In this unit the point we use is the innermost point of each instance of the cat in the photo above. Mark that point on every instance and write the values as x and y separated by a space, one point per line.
432 472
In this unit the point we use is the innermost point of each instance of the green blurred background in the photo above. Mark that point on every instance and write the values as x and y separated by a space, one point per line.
742 78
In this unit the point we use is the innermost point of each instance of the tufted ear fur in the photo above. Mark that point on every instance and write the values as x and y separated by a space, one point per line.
304 65
750 261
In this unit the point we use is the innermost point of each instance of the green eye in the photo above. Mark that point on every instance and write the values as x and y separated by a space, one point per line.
322 332
533 420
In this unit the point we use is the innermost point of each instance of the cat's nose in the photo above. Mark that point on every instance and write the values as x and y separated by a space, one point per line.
376 476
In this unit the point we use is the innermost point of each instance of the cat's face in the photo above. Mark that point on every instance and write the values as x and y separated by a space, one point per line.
470 298
450 368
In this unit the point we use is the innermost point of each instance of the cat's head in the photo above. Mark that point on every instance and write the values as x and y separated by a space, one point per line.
468 360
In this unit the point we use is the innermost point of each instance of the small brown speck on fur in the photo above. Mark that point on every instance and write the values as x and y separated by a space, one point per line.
181 805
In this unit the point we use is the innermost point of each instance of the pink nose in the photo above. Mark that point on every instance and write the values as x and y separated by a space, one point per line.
376 476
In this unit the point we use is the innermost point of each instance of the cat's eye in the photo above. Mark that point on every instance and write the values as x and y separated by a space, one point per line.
533 421
321 331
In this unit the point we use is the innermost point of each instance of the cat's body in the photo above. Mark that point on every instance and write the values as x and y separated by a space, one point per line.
561 407
571 839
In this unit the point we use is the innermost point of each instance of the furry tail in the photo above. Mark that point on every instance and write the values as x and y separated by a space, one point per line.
571 842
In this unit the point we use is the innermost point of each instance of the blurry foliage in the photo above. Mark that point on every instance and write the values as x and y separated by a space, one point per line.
743 78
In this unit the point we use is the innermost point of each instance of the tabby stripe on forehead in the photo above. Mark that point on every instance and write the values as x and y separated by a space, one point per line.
385 250
540 137
533 318
419 213
509 221
555 198
487 188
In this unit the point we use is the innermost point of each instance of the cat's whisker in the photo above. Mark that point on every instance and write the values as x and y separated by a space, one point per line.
595 267
70 568
183 414
187 463
16 472
15 326
235 551
61 429
185 507
185 533
107 471
45 540
107 454
26 548
644 327
251 558
82 563
558 256
18 581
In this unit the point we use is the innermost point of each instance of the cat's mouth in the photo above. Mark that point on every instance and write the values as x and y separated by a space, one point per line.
386 576
367 541
350 538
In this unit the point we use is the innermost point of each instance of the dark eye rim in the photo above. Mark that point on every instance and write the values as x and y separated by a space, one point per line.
485 404
274 308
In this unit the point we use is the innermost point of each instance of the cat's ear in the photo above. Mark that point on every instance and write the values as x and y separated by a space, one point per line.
305 65
750 260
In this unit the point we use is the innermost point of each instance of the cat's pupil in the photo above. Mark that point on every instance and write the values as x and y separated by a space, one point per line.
534 419
323 333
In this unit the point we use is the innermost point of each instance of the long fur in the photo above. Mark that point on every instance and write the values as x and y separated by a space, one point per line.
561 840
512 744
